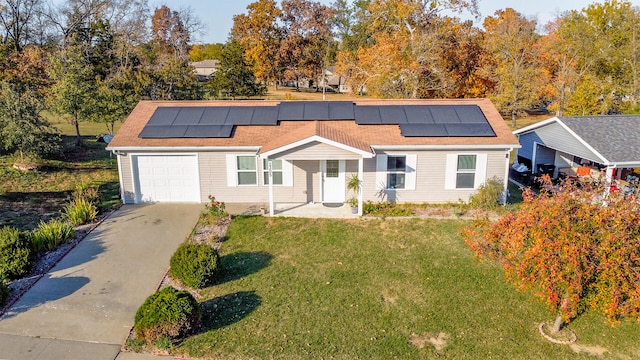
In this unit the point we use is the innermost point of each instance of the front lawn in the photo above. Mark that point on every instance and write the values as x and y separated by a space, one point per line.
375 289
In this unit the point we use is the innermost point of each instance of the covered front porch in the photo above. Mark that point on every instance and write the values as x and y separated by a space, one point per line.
323 161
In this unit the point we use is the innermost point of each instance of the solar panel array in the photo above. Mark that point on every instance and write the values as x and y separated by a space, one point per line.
413 120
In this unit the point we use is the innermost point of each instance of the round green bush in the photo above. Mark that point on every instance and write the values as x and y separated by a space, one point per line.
15 253
167 314
196 265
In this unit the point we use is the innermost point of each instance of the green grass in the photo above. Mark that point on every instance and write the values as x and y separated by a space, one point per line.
317 288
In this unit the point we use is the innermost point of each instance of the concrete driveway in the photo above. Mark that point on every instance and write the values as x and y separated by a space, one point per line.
84 307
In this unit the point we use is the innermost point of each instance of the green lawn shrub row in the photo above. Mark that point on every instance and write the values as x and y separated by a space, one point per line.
196 265
165 316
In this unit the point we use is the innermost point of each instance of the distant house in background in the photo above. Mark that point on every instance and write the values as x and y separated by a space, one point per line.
335 82
578 146
204 69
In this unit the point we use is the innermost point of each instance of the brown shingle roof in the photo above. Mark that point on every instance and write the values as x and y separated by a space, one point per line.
343 131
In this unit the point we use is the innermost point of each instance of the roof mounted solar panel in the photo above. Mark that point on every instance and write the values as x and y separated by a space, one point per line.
470 114
291 111
164 116
209 131
444 114
470 130
316 110
214 115
240 115
418 114
367 115
341 110
189 115
265 115
163 131
423 130
392 114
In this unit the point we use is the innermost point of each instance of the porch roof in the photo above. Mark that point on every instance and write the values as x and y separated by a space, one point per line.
613 139
319 131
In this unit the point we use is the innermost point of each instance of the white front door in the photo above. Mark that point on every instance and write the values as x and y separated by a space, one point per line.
333 185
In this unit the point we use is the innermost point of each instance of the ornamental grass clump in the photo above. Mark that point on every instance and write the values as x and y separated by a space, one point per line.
80 211
48 236
15 254
167 315
195 265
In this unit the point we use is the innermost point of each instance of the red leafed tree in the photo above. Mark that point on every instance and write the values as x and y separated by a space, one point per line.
575 247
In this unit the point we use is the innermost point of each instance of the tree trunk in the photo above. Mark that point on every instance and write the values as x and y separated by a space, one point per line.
557 325
78 137
513 119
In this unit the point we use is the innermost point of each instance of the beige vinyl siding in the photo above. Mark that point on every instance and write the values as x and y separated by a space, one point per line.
430 178
308 179
316 150
213 181
127 179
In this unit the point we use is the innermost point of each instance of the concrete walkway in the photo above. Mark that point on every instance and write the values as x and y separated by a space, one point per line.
84 307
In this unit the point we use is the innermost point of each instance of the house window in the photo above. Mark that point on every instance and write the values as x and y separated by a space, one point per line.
276 171
246 170
466 172
396 172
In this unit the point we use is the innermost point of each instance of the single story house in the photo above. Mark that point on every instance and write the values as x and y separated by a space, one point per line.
607 146
205 69
416 151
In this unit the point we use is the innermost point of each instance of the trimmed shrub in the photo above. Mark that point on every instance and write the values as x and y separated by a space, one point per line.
15 254
48 236
167 314
196 265
80 211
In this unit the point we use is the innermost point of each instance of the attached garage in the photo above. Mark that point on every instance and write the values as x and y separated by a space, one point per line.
166 178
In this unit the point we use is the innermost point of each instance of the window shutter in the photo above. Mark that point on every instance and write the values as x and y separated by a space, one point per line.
481 170
410 172
381 172
232 177
450 172
287 173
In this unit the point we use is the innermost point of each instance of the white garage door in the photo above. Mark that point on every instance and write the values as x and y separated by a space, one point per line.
167 178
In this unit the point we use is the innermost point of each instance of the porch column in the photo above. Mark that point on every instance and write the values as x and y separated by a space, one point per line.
360 177
608 179
271 204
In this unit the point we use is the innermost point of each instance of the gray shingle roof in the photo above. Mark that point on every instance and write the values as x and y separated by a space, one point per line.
616 137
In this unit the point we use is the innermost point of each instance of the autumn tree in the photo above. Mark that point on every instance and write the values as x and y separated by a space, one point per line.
397 45
305 47
574 247
199 52
511 38
234 78
259 33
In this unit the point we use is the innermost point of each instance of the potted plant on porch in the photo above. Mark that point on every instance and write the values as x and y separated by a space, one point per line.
354 186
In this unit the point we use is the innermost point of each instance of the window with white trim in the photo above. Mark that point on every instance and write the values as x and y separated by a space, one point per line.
246 169
396 171
277 171
466 172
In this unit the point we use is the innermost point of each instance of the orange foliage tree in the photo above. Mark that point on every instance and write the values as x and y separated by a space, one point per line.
574 247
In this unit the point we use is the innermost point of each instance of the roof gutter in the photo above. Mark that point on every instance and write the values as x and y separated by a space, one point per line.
446 147
182 148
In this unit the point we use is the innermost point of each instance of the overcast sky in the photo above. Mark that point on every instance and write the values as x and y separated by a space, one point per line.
217 14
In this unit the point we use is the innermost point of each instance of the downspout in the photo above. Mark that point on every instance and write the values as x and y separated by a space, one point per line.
506 177
118 154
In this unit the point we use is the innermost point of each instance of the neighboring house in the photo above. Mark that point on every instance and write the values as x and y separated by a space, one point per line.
583 146
204 69
334 81
415 151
